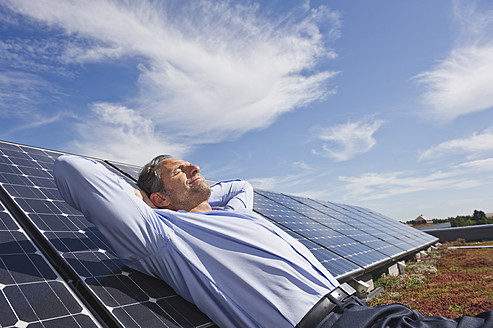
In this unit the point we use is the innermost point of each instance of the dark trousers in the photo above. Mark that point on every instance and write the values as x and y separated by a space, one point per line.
354 313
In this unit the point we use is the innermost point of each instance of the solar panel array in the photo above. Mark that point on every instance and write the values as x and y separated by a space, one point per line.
347 240
118 295
49 249
32 292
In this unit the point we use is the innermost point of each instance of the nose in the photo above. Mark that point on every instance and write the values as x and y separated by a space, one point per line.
192 170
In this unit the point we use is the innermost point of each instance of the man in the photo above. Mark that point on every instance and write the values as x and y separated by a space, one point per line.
237 267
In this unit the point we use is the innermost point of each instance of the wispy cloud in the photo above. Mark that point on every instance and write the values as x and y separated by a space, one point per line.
302 165
462 83
35 56
287 183
477 144
126 135
209 70
478 165
344 141
371 186
36 121
20 93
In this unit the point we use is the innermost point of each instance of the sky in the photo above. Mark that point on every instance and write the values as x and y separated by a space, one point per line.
381 104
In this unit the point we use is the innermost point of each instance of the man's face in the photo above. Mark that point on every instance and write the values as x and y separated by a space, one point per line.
185 187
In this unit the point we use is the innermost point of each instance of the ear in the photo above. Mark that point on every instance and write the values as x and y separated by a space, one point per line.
142 195
159 200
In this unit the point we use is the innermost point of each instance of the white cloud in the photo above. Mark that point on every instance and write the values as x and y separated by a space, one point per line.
21 92
37 121
474 145
462 83
34 56
286 183
302 165
371 186
125 134
478 165
344 141
209 70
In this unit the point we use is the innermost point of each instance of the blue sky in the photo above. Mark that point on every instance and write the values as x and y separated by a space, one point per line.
382 104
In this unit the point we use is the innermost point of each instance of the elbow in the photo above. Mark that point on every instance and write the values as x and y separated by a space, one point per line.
65 166
248 189
61 166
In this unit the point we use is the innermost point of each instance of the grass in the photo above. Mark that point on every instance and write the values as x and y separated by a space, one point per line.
448 282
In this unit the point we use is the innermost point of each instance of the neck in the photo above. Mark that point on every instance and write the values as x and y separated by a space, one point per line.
202 207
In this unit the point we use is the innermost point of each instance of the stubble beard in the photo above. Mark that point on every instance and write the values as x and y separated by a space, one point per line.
197 194
201 189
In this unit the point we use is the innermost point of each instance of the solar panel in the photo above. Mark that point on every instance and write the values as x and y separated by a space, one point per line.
131 171
32 293
370 231
321 229
347 240
335 264
364 237
411 237
126 298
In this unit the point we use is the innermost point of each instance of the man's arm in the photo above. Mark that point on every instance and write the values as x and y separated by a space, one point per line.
109 202
232 195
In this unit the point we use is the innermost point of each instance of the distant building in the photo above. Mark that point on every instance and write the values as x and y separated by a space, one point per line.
422 220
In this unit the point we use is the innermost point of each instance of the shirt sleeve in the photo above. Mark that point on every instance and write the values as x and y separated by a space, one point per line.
233 195
133 229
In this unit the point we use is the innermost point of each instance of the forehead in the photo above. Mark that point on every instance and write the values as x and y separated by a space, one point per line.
172 163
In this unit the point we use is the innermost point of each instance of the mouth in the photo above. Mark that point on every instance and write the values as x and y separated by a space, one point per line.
196 178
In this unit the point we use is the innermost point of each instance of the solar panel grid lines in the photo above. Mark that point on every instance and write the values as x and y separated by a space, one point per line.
370 232
131 171
338 266
323 233
382 227
85 251
31 291
413 236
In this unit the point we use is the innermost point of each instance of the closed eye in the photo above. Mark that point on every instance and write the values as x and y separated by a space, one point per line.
179 170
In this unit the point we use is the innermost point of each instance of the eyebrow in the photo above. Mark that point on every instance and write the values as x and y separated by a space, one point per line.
182 165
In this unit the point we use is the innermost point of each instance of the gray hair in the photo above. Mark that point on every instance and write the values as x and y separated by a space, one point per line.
150 177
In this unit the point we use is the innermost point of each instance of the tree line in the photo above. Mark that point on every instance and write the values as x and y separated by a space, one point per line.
478 217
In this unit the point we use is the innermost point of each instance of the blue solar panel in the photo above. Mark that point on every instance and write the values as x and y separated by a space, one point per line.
131 171
335 264
413 237
378 226
126 297
31 291
369 237
365 230
302 219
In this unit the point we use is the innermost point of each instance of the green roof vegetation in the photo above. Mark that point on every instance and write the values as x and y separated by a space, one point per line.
448 282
